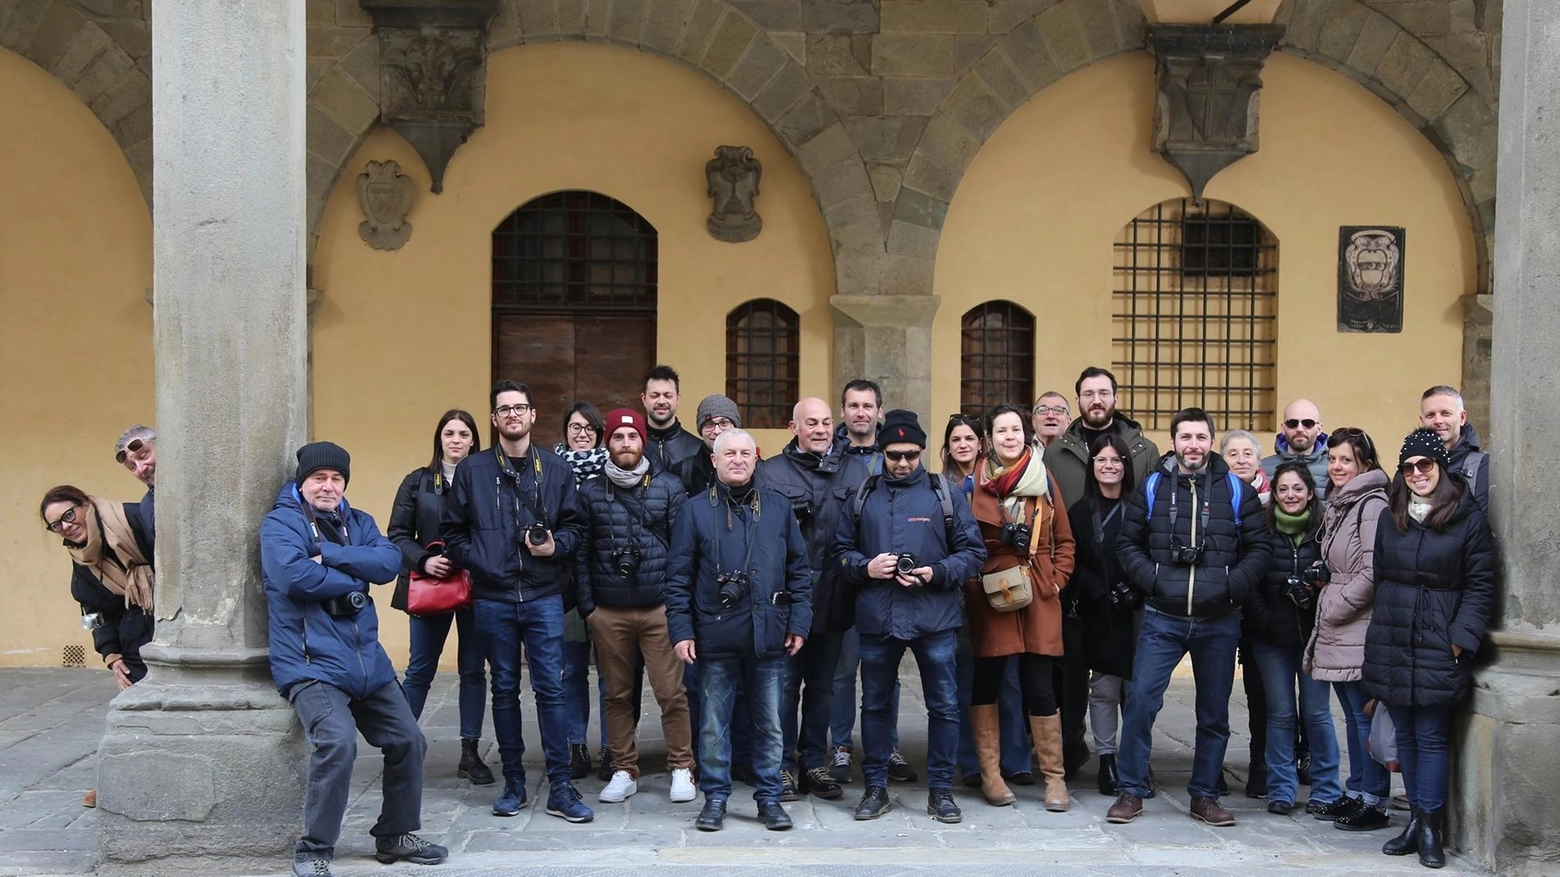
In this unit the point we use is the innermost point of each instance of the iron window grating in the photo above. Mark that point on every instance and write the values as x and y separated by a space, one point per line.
1203 333
763 362
73 656
575 251
996 357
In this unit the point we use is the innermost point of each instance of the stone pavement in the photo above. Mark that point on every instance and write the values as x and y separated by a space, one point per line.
51 719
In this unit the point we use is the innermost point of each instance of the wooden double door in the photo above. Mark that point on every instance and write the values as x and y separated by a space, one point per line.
600 358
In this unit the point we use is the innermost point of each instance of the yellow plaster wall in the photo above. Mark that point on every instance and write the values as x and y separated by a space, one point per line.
401 336
1037 211
75 340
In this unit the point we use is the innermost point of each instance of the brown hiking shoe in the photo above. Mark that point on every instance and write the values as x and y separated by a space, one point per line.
1210 811
1127 808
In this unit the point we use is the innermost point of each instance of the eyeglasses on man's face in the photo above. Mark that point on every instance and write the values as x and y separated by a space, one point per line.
69 517
1060 410
507 410
902 456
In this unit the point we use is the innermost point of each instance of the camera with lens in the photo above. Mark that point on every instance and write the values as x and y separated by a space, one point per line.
1186 555
1124 596
1016 535
732 587
346 605
905 565
803 509
626 560
91 620
1299 592
1316 573
536 534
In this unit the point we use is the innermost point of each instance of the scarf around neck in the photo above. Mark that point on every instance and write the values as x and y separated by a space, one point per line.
584 463
1293 526
127 573
627 478
1012 484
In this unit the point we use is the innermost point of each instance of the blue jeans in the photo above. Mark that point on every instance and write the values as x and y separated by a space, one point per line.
1010 720
1424 735
1279 667
935 657
538 625
842 712
428 634
741 723
761 680
1164 640
1368 778
804 708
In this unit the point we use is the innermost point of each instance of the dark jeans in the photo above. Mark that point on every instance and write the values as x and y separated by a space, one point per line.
1164 640
760 681
1424 735
428 633
538 625
1071 681
842 713
332 721
741 722
805 705
1282 678
934 656
1011 722
1368 778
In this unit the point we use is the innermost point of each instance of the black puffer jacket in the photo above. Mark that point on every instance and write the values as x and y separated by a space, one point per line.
616 519
1110 631
669 447
1232 560
817 486
696 472
1271 617
414 524
1434 590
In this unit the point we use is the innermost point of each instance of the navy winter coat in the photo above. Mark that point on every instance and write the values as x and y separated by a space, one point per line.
906 517
1434 590
613 518
1233 558
306 642
818 487
485 517
712 533
1271 617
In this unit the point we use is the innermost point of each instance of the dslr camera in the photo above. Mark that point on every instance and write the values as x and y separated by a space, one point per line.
906 564
803 509
626 560
732 587
1316 573
1298 590
536 534
346 605
1124 596
1016 535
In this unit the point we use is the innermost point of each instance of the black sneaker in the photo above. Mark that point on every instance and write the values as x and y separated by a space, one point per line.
1366 818
1327 811
1303 769
787 787
900 770
940 806
873 804
604 772
839 764
408 848
579 761
817 782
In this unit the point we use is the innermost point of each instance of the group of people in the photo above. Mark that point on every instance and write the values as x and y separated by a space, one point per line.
1056 568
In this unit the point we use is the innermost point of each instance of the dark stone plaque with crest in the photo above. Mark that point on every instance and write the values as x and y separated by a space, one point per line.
1370 278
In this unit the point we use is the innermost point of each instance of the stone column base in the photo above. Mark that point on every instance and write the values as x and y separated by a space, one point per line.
202 768
1505 771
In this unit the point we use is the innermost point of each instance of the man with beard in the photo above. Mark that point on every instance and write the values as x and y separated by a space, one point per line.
627 516
814 473
1068 456
1194 543
512 520
1300 437
670 444
1441 409
738 601
1049 417
136 450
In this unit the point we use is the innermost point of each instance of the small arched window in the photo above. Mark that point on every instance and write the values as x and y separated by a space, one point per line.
763 338
996 357
574 251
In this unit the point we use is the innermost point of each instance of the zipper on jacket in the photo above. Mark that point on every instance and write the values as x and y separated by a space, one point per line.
306 635
1191 572
359 649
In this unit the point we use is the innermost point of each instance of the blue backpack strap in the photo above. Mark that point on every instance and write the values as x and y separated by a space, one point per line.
1150 485
1235 485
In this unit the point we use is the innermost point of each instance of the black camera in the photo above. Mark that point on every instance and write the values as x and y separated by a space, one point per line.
1124 596
536 534
1016 535
905 564
1316 573
1186 555
1300 593
626 560
346 605
733 587
803 509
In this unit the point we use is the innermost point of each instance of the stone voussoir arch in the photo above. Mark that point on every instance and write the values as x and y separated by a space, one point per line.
102 72
708 35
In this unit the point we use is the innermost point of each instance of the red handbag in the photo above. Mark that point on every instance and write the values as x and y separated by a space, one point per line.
426 595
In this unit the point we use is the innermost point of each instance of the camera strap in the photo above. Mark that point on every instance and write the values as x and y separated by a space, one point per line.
749 532
1100 523
532 504
636 511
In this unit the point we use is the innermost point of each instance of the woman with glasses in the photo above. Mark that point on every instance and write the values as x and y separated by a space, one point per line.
1435 590
111 577
1023 519
1335 652
414 528
1243 453
1112 609
1279 615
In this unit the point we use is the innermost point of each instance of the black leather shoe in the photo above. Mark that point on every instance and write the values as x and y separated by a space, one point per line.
772 816
579 761
1431 855
873 804
1280 808
1110 784
1408 841
471 766
940 806
1016 778
713 816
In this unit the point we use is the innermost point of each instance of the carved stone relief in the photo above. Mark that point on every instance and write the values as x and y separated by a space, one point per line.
385 196
732 176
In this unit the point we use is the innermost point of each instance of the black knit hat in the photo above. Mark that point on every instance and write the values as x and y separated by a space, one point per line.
315 456
900 426
1425 443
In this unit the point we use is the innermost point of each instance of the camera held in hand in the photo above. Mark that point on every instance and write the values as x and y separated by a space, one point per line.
732 588
905 565
536 534
1299 592
1124 596
1316 573
1016 536
346 605
626 560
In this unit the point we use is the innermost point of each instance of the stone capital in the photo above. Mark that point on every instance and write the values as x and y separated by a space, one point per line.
886 311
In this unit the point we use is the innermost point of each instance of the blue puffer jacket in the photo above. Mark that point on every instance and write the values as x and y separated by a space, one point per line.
306 642
714 531
906 517
483 517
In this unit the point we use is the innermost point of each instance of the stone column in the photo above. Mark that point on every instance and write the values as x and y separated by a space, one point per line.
887 339
1506 771
203 763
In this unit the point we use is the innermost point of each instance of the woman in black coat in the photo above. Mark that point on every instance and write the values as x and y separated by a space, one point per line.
414 527
1112 611
1435 589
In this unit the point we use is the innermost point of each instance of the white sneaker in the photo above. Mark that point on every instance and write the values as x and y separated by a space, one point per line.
682 786
621 786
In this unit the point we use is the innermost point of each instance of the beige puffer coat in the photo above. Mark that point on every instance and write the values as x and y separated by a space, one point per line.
1336 651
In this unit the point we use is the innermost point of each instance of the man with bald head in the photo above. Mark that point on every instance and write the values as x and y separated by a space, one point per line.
1300 437
814 473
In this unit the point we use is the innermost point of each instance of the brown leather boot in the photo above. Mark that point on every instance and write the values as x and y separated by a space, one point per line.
1212 812
1047 731
1127 808
988 748
90 799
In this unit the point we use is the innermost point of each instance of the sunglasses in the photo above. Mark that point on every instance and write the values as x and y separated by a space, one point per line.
134 447
1293 423
1425 465
68 518
902 456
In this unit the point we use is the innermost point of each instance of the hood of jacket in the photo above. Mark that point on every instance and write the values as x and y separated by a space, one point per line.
1318 450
